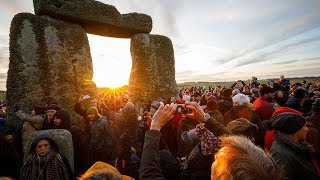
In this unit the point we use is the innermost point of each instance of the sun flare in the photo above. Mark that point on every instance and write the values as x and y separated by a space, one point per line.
111 61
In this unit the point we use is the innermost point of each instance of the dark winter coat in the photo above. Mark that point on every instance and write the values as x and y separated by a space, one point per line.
296 158
150 160
103 142
313 135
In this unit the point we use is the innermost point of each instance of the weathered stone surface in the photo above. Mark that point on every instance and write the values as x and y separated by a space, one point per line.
62 137
95 17
153 68
49 61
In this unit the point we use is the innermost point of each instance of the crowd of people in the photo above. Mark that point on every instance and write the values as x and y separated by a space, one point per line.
246 131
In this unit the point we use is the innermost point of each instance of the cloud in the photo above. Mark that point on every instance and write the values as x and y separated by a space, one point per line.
13 6
4 59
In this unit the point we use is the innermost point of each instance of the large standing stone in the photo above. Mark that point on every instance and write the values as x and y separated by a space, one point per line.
153 68
62 137
95 17
49 60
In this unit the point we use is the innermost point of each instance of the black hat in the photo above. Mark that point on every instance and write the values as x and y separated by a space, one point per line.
287 123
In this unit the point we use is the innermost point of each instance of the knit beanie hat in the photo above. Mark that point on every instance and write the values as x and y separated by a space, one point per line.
92 110
287 123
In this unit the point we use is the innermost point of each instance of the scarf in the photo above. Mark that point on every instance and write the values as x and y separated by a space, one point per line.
210 144
49 167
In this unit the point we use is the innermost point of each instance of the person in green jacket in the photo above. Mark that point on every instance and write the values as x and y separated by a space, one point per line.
290 148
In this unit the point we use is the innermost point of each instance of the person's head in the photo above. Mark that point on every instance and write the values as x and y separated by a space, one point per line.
172 99
293 87
227 93
316 106
92 113
299 93
292 124
281 77
266 93
243 127
101 170
240 159
235 92
246 89
279 94
196 97
42 145
240 100
276 105
270 83
154 107
51 109
94 103
62 119
212 104
254 92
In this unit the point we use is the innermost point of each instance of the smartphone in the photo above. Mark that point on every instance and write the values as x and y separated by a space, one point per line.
85 96
181 109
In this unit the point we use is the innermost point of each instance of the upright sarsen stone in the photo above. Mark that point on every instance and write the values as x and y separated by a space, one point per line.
95 17
49 61
153 68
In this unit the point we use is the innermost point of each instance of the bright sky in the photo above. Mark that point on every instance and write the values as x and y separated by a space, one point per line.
213 40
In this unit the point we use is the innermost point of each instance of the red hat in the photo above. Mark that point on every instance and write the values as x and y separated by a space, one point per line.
285 109
212 104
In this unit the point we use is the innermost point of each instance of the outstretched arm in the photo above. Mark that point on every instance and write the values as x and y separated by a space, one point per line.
150 160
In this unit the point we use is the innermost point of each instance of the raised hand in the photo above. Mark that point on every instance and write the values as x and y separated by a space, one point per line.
162 116
196 112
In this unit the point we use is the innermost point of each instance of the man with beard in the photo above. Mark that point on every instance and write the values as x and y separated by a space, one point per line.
102 141
263 105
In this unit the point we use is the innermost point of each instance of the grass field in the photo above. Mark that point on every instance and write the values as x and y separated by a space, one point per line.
2 95
207 84
228 84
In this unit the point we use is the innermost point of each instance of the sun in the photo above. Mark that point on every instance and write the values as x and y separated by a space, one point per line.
111 61
112 75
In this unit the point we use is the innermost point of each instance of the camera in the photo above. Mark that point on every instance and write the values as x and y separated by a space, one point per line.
85 96
181 109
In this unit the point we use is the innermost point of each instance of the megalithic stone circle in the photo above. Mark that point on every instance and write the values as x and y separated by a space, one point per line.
153 68
95 17
50 55
49 61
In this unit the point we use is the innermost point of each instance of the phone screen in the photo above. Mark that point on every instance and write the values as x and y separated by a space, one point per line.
85 97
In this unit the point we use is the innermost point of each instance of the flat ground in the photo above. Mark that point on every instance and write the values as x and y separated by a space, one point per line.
207 84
